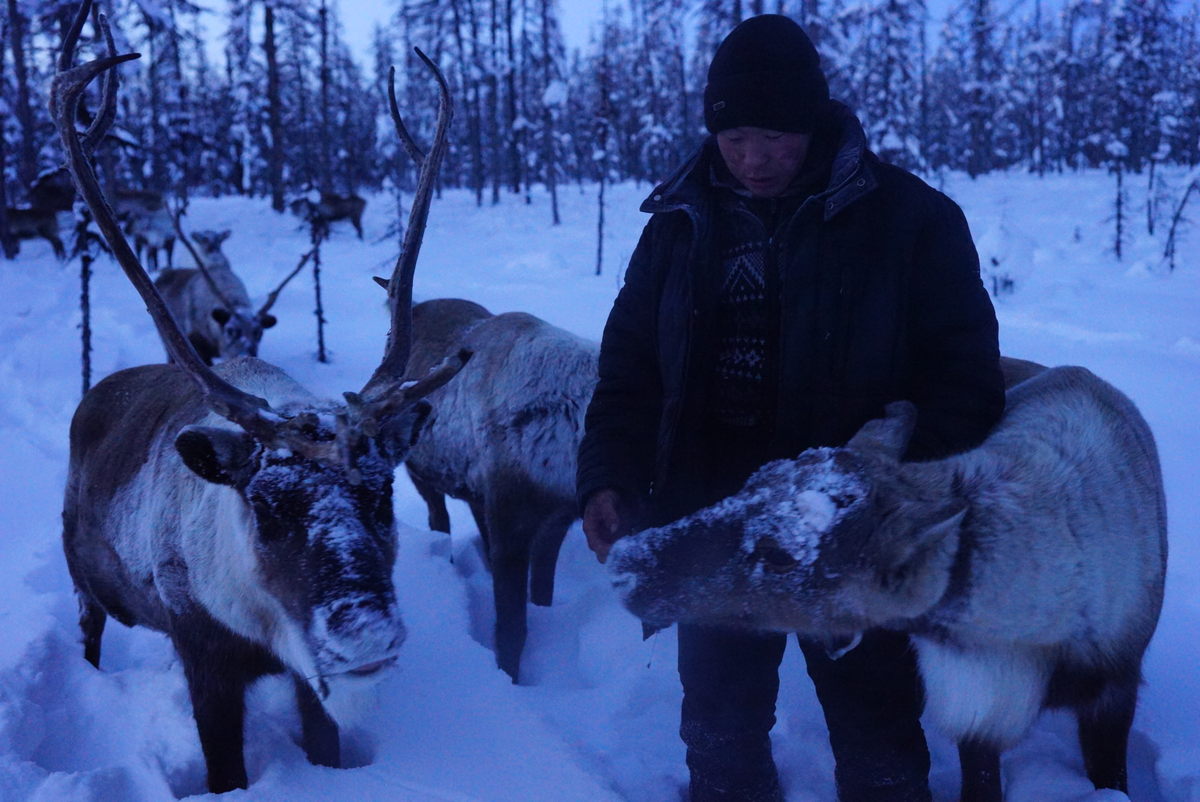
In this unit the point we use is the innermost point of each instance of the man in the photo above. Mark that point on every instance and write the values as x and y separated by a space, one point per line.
787 287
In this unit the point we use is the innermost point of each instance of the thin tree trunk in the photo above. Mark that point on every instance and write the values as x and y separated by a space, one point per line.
600 227
1120 216
320 310
514 148
326 157
493 110
27 168
274 114
550 165
8 245
85 311
1150 204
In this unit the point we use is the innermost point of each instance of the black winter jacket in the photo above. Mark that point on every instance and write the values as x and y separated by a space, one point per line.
880 299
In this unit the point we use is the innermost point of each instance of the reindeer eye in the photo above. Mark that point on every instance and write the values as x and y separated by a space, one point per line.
277 522
773 558
844 500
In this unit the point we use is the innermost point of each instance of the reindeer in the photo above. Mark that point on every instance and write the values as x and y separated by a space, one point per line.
211 304
35 222
503 437
229 508
52 189
1028 571
147 220
331 208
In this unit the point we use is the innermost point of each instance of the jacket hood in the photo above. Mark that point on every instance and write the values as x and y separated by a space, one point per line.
851 176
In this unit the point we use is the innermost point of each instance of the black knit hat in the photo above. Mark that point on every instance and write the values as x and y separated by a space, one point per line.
766 74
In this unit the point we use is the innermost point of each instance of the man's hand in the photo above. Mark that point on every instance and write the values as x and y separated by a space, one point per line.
604 522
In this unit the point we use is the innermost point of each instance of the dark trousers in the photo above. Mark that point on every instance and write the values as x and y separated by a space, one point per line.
871 697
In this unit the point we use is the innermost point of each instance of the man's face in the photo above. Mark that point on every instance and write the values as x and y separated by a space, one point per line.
764 161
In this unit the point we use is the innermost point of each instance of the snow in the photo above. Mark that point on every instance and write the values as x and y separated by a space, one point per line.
597 716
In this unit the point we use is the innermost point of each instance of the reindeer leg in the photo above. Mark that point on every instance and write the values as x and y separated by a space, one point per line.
1104 733
510 580
480 516
512 532
439 517
980 764
91 620
545 554
217 674
320 739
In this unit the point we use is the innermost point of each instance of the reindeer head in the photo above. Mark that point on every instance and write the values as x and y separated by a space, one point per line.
827 544
314 479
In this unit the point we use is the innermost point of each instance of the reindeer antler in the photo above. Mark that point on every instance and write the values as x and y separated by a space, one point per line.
248 411
386 379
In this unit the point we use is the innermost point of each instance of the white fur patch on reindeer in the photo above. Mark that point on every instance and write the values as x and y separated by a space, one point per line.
994 695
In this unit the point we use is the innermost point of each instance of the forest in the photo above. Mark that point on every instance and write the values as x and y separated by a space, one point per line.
284 106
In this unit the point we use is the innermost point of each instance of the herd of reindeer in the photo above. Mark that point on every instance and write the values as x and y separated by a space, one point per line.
216 500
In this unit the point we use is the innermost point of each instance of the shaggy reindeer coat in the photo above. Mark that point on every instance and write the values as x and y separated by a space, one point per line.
1028 571
503 437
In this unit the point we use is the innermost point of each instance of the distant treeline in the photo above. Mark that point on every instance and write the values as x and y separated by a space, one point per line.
291 109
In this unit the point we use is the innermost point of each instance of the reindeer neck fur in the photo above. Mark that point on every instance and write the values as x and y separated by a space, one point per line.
1027 477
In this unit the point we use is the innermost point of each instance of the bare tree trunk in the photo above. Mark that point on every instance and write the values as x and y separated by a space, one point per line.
514 147
27 167
600 227
320 310
8 245
275 114
326 158
85 310
494 101
1120 210
550 164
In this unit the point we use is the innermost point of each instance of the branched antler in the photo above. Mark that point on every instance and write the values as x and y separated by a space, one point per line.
399 344
248 411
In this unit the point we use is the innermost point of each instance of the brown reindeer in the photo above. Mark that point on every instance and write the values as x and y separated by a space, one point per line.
229 508
33 223
331 208
148 221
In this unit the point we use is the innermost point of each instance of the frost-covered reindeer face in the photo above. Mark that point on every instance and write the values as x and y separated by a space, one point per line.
323 538
828 544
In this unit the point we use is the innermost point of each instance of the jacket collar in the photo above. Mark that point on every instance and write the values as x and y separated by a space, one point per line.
690 187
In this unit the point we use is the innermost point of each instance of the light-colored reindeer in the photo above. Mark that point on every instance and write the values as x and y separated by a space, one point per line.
210 302
1029 571
232 510
503 437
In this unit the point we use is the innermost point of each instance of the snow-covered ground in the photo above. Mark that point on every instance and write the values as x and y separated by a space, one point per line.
597 716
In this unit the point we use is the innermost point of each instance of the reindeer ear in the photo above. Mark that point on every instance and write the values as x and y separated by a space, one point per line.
913 570
221 315
399 431
268 321
888 436
224 235
220 456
